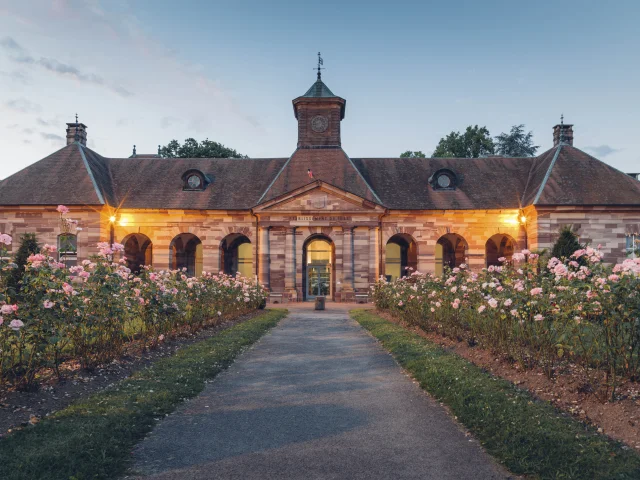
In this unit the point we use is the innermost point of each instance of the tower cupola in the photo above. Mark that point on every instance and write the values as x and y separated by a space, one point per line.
319 113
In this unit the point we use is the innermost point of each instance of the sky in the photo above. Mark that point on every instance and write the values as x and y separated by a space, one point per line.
145 72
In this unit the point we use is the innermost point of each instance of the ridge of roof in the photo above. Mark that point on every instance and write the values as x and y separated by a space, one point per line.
90 172
375 195
275 178
547 175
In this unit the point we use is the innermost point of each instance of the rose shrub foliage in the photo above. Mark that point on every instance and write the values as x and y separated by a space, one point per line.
89 312
573 312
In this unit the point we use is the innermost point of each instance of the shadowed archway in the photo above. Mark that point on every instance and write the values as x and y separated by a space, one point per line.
499 245
137 251
451 251
236 255
185 252
401 257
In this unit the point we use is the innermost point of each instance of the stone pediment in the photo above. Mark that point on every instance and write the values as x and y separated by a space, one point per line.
319 197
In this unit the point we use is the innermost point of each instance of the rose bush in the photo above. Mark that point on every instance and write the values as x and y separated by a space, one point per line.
574 311
88 312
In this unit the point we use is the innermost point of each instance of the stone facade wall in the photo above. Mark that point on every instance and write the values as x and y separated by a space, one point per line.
45 223
594 225
357 235
160 226
474 226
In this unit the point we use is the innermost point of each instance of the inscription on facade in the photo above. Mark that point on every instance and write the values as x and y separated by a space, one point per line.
315 218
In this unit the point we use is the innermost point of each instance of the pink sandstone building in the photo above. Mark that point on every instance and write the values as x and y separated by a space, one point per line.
320 222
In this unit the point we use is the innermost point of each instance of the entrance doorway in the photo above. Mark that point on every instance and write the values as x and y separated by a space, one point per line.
318 275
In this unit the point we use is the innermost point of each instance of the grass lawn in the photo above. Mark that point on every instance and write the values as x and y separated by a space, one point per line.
93 438
528 436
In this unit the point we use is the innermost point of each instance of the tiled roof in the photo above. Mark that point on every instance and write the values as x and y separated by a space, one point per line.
484 183
319 90
67 176
574 177
236 184
330 165
76 175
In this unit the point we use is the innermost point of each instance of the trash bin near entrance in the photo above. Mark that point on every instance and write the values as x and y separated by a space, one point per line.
320 303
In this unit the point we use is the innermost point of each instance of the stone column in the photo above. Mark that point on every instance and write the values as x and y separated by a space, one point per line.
263 257
374 255
290 262
347 260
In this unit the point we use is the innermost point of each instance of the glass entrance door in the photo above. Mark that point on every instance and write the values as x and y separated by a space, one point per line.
318 281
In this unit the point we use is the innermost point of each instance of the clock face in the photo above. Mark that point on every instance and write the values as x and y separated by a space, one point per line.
319 123
194 181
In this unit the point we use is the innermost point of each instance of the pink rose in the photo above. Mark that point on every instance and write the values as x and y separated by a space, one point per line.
481 308
536 291
62 209
538 318
6 239
493 303
48 304
16 325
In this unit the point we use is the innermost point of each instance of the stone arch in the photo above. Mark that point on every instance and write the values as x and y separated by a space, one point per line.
451 251
138 250
185 252
497 246
236 255
411 232
401 256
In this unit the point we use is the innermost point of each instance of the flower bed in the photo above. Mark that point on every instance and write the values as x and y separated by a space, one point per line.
88 312
576 312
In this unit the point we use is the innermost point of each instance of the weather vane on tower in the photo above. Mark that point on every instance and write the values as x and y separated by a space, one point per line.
320 63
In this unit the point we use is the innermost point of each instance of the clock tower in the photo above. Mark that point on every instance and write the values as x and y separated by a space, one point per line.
319 113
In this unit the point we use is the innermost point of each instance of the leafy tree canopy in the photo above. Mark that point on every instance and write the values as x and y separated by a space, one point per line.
516 143
566 244
28 246
410 154
473 143
191 148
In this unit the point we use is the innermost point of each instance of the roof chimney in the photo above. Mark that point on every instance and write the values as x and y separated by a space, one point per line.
562 134
76 132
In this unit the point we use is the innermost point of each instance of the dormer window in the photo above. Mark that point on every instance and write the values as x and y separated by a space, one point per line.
195 180
443 179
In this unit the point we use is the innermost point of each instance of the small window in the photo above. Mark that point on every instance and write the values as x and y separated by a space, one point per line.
195 180
68 249
444 179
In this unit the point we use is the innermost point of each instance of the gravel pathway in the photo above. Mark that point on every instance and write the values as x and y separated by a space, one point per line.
317 397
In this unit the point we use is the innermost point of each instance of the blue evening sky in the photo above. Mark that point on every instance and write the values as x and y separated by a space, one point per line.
144 72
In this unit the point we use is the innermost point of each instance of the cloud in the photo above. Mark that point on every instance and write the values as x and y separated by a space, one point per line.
27 131
18 76
48 123
23 105
602 151
52 137
20 55
166 122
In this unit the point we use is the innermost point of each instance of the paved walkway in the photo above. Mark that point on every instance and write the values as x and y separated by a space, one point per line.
316 398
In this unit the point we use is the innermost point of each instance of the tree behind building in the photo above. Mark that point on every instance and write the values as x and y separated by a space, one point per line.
191 148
